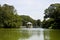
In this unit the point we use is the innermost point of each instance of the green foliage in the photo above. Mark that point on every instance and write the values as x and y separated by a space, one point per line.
38 22
53 11
9 17
26 19
48 23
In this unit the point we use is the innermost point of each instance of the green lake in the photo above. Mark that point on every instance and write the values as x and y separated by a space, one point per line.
29 34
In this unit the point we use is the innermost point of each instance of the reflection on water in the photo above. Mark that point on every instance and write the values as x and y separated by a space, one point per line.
52 34
55 35
35 34
29 34
12 34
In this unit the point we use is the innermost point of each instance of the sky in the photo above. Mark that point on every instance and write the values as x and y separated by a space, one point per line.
32 8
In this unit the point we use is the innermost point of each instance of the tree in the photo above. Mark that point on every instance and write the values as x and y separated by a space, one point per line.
48 23
9 17
38 22
26 19
53 11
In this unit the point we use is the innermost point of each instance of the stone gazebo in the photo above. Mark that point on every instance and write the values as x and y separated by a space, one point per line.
29 25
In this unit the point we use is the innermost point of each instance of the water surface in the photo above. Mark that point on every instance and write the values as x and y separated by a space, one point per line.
29 34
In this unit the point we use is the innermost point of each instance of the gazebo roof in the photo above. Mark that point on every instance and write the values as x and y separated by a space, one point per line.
29 23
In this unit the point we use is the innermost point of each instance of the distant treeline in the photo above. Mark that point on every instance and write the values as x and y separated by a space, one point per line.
10 19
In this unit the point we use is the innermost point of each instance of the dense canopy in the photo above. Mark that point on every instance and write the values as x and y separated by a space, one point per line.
9 17
52 12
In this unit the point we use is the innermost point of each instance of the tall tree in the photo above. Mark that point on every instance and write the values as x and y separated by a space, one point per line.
53 11
9 17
